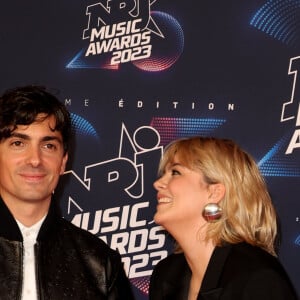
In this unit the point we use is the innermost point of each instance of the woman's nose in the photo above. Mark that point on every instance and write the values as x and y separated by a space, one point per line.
160 184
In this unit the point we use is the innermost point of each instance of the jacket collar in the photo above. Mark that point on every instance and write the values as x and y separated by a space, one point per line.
51 222
210 288
9 228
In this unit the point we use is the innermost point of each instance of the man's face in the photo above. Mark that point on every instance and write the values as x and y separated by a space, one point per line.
31 161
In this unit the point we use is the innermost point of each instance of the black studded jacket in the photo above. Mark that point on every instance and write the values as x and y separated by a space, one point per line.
71 263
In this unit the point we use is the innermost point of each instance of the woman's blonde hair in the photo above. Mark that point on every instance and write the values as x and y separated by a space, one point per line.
248 213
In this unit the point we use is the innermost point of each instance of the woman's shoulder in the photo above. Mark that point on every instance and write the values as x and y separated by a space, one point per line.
254 256
247 259
252 267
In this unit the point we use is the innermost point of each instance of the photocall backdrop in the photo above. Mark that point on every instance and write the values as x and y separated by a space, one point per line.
136 75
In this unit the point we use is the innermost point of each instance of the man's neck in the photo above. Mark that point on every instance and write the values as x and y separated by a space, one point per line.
28 213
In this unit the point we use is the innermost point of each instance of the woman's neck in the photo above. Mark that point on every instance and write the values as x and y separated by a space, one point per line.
198 256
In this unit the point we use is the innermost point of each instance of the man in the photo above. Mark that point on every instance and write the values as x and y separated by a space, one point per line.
43 256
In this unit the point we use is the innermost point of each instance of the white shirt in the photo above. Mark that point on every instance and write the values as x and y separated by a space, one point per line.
29 289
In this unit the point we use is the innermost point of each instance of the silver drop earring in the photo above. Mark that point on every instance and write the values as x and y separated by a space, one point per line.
212 212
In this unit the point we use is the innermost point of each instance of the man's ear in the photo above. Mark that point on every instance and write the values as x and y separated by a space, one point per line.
217 192
63 164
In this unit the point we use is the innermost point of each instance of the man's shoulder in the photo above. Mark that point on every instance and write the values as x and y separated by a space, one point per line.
86 240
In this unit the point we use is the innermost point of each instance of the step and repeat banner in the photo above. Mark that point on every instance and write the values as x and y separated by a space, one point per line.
137 74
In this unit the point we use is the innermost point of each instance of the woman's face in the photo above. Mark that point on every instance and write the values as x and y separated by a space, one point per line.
181 195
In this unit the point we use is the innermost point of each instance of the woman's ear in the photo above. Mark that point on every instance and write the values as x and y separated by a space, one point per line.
217 192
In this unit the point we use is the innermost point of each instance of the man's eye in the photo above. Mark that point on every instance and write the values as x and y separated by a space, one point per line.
17 143
50 146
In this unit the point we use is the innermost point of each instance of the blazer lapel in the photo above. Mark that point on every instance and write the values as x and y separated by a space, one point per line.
176 285
213 294
178 291
210 289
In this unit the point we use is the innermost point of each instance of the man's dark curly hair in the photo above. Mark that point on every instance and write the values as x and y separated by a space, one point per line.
22 105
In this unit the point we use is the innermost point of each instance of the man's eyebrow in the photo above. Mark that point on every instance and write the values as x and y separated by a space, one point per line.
19 135
51 138
43 139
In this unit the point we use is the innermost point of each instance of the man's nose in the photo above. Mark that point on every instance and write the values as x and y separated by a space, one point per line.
34 156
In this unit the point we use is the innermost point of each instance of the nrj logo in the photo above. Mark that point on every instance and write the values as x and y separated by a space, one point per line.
291 109
118 32
113 202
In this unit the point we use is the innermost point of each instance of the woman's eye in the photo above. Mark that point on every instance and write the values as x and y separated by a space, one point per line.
175 172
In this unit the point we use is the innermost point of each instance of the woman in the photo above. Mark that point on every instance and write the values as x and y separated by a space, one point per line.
214 202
